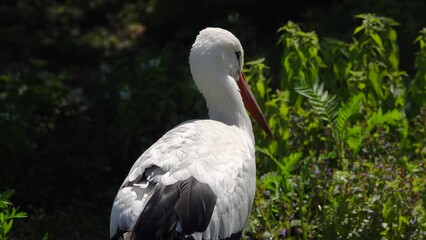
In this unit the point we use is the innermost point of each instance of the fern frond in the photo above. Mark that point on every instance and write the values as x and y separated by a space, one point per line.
378 118
270 179
324 105
347 110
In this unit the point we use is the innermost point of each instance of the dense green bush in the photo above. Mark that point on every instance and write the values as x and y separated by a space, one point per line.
8 213
349 158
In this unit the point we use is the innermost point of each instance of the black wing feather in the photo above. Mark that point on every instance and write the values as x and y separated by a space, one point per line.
195 206
190 202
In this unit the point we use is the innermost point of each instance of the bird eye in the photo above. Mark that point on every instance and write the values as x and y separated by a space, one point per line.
238 54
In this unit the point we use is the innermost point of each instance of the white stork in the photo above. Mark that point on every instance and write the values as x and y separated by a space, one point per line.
198 180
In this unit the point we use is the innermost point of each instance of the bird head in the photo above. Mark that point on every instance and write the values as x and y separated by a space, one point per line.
216 61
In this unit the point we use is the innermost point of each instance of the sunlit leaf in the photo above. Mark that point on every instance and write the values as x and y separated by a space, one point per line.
377 39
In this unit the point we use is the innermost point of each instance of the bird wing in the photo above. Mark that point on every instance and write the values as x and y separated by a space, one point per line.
209 151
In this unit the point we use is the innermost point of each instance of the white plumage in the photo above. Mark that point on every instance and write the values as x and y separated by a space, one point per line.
218 152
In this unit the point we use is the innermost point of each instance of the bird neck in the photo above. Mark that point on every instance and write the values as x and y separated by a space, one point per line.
226 105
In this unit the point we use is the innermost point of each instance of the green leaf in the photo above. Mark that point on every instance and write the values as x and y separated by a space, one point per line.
45 236
287 64
259 61
261 89
392 35
301 56
291 161
283 110
19 215
7 194
271 181
324 105
7 226
358 29
373 76
354 138
313 51
377 39
266 153
393 59
378 118
347 110
362 15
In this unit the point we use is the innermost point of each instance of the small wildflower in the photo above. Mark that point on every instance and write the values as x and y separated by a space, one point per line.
336 190
329 172
316 172
282 233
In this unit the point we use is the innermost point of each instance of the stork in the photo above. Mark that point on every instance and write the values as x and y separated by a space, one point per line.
198 181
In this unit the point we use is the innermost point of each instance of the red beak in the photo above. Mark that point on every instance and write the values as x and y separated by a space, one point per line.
251 105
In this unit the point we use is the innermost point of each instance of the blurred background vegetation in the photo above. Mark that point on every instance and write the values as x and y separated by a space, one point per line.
87 86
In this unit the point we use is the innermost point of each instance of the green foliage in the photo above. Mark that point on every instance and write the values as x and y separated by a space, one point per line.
375 58
8 213
324 105
418 85
300 61
348 160
349 109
